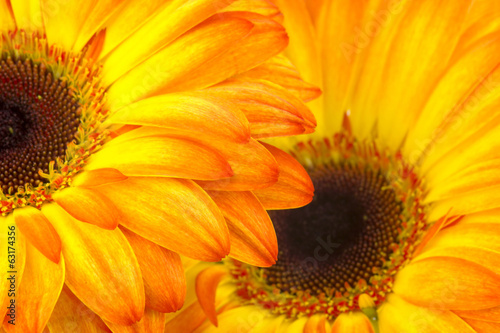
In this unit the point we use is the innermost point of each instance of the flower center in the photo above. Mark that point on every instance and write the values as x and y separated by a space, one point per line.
52 106
38 119
341 236
364 224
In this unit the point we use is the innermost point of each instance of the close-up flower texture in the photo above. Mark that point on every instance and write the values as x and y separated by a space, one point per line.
131 134
403 231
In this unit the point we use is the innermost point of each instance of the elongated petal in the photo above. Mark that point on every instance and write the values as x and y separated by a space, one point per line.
7 21
316 324
173 213
251 231
162 156
38 293
206 288
71 315
294 187
101 268
98 177
491 315
187 111
179 60
280 70
162 27
162 272
397 315
230 321
270 109
89 206
28 14
480 326
194 61
452 283
39 232
152 321
253 166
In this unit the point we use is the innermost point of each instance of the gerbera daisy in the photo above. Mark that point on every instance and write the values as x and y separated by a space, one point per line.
128 133
403 232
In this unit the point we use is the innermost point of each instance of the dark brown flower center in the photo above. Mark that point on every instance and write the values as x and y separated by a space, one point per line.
342 237
38 118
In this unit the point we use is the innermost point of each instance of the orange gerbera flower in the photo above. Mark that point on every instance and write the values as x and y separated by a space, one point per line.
403 231
128 133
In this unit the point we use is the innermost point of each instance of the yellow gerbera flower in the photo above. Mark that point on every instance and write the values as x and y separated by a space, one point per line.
128 134
404 229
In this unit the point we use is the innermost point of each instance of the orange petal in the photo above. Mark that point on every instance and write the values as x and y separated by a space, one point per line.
451 283
39 232
316 324
280 70
162 272
187 111
152 321
187 320
396 315
251 231
254 167
71 315
262 7
38 293
101 268
492 314
98 177
182 58
173 213
294 187
352 322
270 109
88 205
206 288
166 22
483 326
204 56
161 156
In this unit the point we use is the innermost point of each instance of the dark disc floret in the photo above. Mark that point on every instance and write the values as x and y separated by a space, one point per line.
343 236
39 117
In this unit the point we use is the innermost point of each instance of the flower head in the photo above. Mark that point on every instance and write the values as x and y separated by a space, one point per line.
402 232
128 131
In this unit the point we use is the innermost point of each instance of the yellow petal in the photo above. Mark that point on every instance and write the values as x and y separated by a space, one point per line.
167 22
451 283
162 272
89 206
206 289
7 21
98 177
352 322
195 61
38 293
187 54
152 321
173 213
101 268
28 14
294 187
187 111
67 16
161 156
262 7
396 315
251 231
39 232
71 315
241 319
